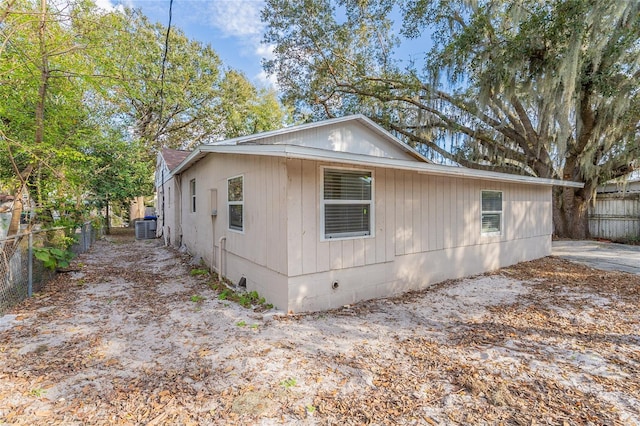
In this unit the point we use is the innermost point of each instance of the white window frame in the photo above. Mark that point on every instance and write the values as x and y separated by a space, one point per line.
192 193
492 212
370 203
235 203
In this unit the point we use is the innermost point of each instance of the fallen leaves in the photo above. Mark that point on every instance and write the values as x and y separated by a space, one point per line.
127 347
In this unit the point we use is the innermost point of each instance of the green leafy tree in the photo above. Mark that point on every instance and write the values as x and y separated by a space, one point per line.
116 173
89 96
42 117
245 110
539 88
173 92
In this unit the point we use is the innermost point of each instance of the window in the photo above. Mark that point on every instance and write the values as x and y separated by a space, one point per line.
346 203
192 191
236 203
491 212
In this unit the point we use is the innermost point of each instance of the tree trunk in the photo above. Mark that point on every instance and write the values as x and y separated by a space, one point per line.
571 213
44 75
107 220
136 210
16 214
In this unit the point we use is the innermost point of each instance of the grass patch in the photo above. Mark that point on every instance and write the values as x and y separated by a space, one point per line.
38 392
249 300
289 383
198 272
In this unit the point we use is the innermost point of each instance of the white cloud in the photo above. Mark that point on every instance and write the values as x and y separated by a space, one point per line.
108 6
265 50
240 19
267 80
237 18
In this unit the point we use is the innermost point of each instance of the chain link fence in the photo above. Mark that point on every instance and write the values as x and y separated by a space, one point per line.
21 273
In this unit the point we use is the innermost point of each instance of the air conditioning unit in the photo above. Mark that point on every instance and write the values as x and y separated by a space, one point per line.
145 229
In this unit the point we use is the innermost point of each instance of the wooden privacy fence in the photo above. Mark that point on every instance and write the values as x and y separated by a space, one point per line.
616 215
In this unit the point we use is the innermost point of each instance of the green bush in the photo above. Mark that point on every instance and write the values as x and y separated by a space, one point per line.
52 257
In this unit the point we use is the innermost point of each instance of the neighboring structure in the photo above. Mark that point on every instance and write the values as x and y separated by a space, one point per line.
615 214
326 214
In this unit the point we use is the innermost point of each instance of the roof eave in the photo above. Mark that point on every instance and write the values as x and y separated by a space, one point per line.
306 153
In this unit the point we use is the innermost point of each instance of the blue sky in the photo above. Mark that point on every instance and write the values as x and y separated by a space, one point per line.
231 27
234 30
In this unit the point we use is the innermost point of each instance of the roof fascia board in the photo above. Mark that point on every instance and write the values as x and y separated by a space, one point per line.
306 153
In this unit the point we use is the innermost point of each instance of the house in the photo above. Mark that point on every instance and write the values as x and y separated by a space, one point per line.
325 214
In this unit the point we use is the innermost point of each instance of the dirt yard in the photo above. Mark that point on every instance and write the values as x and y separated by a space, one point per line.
133 337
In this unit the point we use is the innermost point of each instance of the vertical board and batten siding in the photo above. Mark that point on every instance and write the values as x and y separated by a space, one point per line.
169 223
308 254
615 216
426 228
438 213
259 253
413 213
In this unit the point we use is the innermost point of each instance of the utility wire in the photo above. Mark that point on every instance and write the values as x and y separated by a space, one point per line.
164 62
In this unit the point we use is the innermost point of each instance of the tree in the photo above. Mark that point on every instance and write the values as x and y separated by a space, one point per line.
89 96
245 110
540 88
42 116
172 91
116 173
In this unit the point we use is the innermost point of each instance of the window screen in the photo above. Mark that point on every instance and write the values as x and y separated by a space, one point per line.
491 212
346 196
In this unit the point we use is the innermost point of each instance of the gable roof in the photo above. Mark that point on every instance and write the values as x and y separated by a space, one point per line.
173 157
251 145
287 136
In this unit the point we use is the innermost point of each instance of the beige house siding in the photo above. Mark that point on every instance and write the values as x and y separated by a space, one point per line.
259 252
426 219
350 137
168 216
427 229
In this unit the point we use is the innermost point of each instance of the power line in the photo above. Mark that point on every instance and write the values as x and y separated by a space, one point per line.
164 61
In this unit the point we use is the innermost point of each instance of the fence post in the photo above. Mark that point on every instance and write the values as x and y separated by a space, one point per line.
30 266
84 237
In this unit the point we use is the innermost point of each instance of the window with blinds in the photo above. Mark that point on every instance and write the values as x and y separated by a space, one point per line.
491 212
235 201
346 203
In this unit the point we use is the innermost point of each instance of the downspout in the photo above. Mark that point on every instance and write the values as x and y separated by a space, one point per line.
213 245
161 230
220 271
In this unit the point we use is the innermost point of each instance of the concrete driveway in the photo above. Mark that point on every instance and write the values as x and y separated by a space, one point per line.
600 255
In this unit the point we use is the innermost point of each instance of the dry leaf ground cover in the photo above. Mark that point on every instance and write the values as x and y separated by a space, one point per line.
133 338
